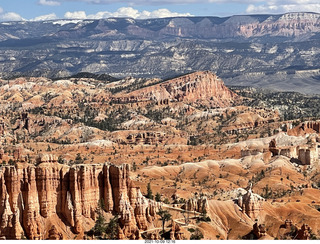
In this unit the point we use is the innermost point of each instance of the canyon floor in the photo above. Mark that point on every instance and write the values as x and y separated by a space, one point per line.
83 158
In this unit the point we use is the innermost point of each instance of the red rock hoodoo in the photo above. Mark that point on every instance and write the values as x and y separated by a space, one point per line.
33 195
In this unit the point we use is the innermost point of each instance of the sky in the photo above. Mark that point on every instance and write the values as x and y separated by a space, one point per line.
38 10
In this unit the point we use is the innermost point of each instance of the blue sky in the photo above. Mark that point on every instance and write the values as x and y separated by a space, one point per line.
14 10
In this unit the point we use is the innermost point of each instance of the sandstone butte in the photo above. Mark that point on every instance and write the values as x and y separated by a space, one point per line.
190 88
35 198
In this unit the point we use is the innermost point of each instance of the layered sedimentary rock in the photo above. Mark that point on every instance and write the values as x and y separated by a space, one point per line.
291 231
259 230
151 138
31 195
176 232
304 233
54 234
303 151
314 125
198 204
251 203
197 86
290 24
307 127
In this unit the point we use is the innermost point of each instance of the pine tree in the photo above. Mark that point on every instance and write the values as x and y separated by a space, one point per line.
158 197
197 235
102 229
112 228
134 166
149 191
164 216
78 159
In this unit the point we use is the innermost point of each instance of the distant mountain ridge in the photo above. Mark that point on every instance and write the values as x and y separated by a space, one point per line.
241 26
237 48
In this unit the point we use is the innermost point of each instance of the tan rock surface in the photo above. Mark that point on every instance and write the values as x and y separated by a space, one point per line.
51 190
202 85
251 203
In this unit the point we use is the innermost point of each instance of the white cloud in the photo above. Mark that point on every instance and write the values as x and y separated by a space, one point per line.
45 17
49 3
10 16
75 15
100 15
151 2
161 13
125 12
280 6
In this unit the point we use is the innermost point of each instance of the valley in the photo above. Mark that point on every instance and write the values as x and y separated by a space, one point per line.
271 51
90 157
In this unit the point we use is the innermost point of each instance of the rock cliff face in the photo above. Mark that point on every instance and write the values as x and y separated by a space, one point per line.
195 87
198 204
303 152
304 233
259 230
176 232
275 51
291 231
307 127
251 203
151 138
289 24
32 195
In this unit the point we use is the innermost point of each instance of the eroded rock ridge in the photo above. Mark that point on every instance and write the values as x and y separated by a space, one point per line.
31 196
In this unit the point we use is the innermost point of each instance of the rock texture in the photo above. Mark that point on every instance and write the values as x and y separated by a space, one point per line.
251 203
54 234
259 230
275 51
303 151
31 195
291 231
198 204
176 232
307 127
147 137
198 86
304 233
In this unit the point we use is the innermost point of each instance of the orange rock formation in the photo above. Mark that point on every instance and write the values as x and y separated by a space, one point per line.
31 195
251 203
202 85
